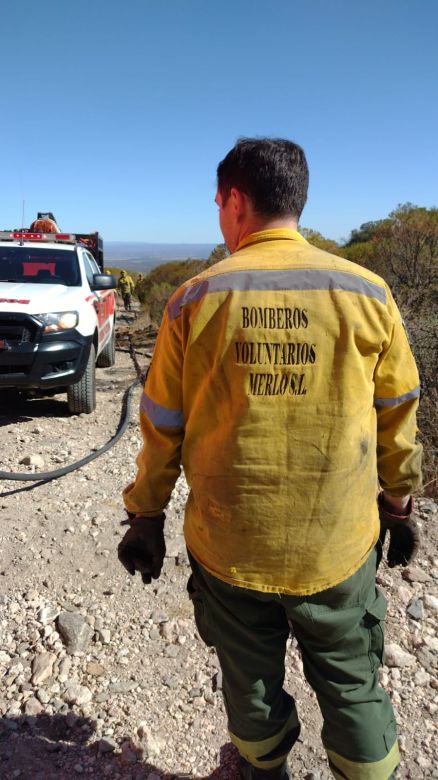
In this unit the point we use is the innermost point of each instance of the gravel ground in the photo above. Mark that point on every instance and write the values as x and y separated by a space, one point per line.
103 677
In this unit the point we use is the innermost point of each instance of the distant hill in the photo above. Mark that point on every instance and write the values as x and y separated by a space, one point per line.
141 256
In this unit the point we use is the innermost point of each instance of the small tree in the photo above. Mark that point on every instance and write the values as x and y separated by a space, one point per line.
318 240
220 252
407 245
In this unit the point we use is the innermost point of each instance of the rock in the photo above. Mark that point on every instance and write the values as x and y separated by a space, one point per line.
64 669
104 635
122 687
101 697
167 631
415 574
42 667
427 659
106 745
159 616
171 651
129 753
396 656
77 694
32 460
33 707
421 677
431 642
431 602
171 682
47 614
153 743
404 593
43 696
415 609
95 669
75 631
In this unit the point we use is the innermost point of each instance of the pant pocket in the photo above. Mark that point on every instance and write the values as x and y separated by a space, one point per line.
200 610
373 621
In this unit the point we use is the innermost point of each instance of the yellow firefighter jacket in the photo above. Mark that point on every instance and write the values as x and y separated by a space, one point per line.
283 382
125 284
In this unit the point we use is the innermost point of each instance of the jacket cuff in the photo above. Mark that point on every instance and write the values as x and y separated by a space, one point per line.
391 515
139 519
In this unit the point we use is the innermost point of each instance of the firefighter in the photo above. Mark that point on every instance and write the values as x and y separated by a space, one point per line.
139 286
283 382
125 287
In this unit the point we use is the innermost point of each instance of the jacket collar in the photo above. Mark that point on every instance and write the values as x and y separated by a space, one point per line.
274 234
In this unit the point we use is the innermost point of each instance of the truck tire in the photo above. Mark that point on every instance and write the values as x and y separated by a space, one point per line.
81 397
107 357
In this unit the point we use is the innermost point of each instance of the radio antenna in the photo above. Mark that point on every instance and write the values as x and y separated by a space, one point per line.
22 215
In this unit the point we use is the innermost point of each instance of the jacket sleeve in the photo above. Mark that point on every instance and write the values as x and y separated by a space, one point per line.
397 392
162 426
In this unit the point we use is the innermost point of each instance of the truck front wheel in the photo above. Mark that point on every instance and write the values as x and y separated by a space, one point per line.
81 397
107 357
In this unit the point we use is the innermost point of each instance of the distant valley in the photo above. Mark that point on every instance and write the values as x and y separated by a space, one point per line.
142 257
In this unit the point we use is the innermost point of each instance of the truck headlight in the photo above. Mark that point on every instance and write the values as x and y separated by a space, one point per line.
58 320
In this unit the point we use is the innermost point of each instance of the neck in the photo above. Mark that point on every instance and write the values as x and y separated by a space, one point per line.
255 225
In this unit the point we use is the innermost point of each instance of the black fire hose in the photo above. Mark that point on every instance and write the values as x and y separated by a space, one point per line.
46 476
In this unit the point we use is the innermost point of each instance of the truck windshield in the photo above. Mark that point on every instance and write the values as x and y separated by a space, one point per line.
39 266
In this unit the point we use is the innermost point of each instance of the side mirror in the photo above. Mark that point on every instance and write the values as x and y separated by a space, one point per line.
103 282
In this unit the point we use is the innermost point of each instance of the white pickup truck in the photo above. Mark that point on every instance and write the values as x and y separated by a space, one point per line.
57 315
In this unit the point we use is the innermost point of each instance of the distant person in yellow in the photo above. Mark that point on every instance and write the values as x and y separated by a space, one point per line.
125 286
283 382
139 285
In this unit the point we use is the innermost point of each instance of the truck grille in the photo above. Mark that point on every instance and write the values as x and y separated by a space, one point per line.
18 329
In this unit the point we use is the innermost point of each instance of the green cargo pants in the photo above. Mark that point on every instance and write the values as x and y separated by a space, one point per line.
340 635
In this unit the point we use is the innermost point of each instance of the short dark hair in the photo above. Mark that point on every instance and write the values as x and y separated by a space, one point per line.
273 172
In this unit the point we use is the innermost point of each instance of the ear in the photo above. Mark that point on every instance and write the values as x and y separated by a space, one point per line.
241 203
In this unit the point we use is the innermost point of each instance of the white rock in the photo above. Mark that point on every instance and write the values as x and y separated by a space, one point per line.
431 602
396 656
33 707
404 594
47 614
43 696
42 667
422 677
64 669
431 642
77 694
104 635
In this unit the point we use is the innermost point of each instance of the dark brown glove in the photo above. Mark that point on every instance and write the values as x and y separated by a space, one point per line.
404 536
143 547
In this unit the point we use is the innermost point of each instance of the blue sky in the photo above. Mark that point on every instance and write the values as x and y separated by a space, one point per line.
115 114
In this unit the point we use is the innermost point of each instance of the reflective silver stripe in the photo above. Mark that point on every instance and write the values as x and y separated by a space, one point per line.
159 416
278 280
400 400
190 295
